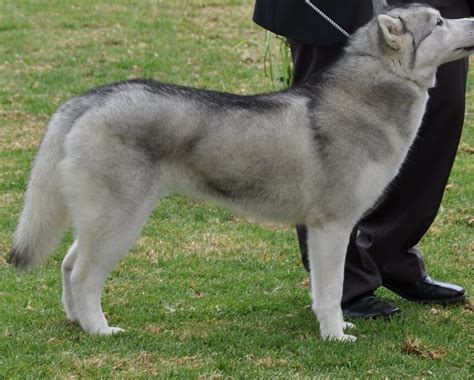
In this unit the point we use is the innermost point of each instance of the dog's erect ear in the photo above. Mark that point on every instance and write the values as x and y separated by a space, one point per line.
391 29
379 6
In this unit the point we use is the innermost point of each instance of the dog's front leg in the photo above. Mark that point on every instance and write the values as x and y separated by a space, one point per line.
327 250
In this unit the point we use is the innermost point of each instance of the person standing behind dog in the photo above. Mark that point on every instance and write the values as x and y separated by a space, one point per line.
382 250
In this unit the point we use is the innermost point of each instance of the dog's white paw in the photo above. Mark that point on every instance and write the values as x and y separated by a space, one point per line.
108 331
347 338
340 338
348 325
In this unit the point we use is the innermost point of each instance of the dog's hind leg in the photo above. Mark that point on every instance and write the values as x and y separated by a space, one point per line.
327 249
101 244
66 268
107 218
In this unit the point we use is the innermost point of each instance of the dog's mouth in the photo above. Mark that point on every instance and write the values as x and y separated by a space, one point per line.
466 48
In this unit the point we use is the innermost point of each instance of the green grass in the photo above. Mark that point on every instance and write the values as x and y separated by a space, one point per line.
204 293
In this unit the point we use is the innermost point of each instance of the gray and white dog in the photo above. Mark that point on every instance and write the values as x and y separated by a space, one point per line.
320 154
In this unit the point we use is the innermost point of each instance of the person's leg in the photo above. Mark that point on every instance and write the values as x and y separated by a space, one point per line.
389 234
310 59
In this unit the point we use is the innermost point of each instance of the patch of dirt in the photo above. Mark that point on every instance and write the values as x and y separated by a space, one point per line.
414 347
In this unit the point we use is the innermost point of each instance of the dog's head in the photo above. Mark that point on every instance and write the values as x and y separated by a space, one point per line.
416 39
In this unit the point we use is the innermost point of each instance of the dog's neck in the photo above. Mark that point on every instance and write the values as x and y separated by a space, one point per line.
380 89
423 78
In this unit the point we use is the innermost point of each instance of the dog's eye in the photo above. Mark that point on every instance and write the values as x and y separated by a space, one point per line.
440 22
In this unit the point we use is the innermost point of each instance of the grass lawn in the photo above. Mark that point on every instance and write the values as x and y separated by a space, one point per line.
204 293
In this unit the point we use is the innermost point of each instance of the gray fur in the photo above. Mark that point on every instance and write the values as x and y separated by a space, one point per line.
319 154
379 6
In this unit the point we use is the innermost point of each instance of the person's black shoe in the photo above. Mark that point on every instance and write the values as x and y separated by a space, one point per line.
427 291
369 307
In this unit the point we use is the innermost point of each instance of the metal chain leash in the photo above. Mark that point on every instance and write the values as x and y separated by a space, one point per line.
327 18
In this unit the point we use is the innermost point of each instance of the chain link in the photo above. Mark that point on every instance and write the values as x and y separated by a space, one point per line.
327 18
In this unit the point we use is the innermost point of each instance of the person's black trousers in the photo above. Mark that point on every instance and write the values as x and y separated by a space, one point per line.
382 246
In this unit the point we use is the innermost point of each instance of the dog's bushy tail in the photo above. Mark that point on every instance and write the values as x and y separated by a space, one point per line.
43 218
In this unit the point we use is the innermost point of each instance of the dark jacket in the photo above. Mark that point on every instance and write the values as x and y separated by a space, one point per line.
295 20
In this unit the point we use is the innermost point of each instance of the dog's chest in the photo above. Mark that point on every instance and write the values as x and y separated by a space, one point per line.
373 180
